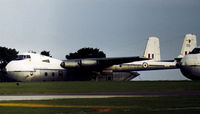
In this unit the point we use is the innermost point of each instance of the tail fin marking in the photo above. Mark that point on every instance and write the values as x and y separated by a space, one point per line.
189 44
152 50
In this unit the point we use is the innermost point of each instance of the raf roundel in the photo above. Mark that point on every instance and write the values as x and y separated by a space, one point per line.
145 65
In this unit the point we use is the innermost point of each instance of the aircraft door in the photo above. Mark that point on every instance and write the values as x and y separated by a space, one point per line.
60 75
36 75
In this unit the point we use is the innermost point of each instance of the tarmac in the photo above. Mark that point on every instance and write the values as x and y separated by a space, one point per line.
95 95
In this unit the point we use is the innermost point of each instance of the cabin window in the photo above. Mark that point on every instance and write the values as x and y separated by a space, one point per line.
46 61
21 57
46 74
28 56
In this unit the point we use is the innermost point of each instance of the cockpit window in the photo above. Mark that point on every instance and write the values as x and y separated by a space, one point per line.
195 51
22 57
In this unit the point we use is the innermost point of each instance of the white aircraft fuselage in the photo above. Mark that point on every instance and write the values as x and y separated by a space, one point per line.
143 65
35 67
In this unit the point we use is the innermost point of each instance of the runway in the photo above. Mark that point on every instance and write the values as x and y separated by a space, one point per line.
95 95
50 97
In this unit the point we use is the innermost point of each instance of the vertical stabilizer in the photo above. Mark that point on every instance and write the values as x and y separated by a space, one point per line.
152 50
189 43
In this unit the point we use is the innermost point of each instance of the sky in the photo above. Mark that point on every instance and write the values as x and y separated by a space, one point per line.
119 28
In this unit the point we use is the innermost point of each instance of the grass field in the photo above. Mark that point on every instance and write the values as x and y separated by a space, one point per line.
78 87
142 105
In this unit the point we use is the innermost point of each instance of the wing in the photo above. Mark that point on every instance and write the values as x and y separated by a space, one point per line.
98 63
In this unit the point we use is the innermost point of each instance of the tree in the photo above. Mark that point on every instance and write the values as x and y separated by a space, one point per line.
46 53
7 55
86 53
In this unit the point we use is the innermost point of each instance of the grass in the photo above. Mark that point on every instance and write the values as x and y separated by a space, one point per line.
78 87
141 105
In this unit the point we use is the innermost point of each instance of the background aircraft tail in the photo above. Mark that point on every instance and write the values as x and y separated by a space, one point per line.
152 50
189 43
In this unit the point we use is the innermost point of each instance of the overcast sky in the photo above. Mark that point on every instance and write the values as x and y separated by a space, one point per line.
117 27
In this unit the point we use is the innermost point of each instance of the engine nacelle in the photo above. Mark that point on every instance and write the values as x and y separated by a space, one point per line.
88 62
79 63
70 64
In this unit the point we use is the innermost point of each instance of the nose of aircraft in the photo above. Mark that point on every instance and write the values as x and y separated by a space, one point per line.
18 66
9 66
